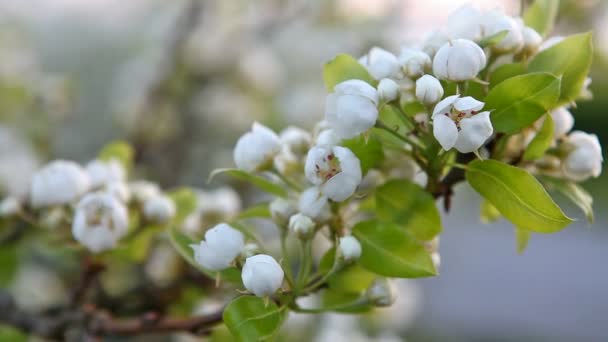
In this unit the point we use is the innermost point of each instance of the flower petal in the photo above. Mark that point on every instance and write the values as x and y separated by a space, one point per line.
357 88
444 105
474 132
445 131
468 104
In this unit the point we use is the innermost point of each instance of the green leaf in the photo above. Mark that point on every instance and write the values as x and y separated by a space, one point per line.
506 71
8 263
542 140
541 16
571 59
493 39
337 301
185 201
8 333
408 205
256 180
249 319
517 195
369 151
519 101
352 279
522 237
488 212
261 210
182 242
120 150
575 193
343 68
389 251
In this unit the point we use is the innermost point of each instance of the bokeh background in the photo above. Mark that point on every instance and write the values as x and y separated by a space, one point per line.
182 80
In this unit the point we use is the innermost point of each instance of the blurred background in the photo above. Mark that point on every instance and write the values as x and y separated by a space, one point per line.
182 80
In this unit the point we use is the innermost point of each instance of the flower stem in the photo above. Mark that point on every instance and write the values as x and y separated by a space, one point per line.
292 184
285 252
381 125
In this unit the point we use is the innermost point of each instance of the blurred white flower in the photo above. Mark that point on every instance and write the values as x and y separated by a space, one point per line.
380 63
159 209
459 60
119 190
301 225
428 89
142 190
297 139
494 22
414 62
262 275
163 265
388 90
59 182
281 210
585 158
221 246
18 163
223 202
313 204
328 137
458 123
255 150
102 172
381 292
563 121
335 170
351 108
9 206
433 42
532 40
36 288
466 23
350 248
100 221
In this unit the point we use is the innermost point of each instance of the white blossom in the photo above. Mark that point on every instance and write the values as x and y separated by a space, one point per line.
222 244
388 90
141 190
255 149
414 62
59 182
563 121
380 63
301 225
433 41
223 202
381 292
281 210
428 89
102 172
9 206
159 209
495 22
335 170
459 60
328 137
466 23
532 40
296 139
585 158
350 248
119 189
100 221
458 123
262 275
313 204
36 288
352 108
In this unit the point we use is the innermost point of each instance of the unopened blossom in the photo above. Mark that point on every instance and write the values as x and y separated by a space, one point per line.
163 265
328 138
388 90
352 108
281 210
381 292
380 63
222 202
335 170
159 209
428 90
301 225
102 172
142 190
466 23
563 121
459 60
296 139
414 62
59 182
118 189
100 221
262 275
314 204
585 157
255 150
286 161
350 248
458 123
222 244
495 22
433 41
532 40
250 249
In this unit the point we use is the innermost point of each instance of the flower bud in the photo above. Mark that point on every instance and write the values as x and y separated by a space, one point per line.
100 221
380 63
221 246
388 90
328 138
59 182
119 190
143 190
281 210
163 265
465 22
532 40
563 121
459 60
314 205
296 139
159 209
352 108
222 202
428 90
301 225
262 275
381 292
255 150
350 248
414 62
495 22
102 172
250 249
432 42
9 206
585 158
336 170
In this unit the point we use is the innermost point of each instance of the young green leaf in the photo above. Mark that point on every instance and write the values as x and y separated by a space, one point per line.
519 101
343 68
493 39
352 279
541 16
542 141
506 71
256 180
406 204
522 237
369 151
575 193
249 319
185 203
571 59
261 210
517 195
333 300
120 150
391 252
